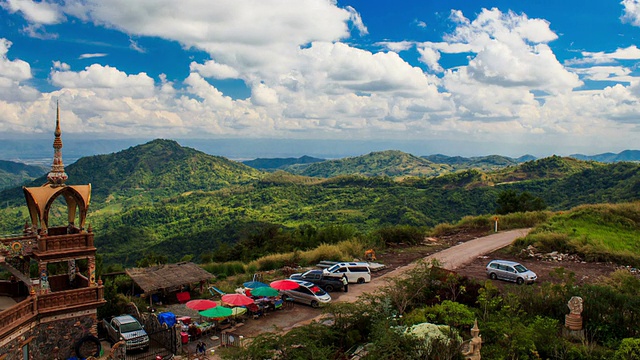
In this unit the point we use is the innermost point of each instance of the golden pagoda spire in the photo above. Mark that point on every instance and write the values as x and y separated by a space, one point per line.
57 176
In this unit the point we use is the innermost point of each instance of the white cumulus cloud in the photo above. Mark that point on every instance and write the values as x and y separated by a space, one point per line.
105 80
40 12
631 13
212 69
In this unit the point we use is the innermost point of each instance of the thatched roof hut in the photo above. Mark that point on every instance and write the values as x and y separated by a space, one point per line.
168 277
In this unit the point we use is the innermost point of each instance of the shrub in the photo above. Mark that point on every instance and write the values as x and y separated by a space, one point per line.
322 252
401 234
272 262
225 269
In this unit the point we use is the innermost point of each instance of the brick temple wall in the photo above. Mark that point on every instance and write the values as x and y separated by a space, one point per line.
50 338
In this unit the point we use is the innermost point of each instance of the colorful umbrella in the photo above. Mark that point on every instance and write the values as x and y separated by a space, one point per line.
216 312
201 304
237 299
264 291
254 284
284 284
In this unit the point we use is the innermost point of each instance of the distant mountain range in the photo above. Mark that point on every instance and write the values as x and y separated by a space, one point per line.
391 163
627 155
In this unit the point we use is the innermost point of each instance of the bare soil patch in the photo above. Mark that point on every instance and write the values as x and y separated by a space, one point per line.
585 273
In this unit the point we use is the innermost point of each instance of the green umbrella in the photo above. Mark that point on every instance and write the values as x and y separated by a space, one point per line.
216 312
264 291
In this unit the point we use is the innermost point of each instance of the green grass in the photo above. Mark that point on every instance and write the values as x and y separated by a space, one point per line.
604 232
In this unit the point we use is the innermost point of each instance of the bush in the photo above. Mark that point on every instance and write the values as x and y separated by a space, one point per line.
322 252
401 234
547 242
225 269
272 262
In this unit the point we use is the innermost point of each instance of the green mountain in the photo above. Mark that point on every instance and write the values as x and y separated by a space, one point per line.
391 163
160 168
15 174
280 163
552 167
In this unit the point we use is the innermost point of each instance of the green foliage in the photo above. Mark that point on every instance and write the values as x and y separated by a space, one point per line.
225 269
447 312
629 350
401 234
509 201
312 342
152 259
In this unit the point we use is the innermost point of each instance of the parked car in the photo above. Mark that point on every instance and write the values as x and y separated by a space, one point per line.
308 293
510 271
327 282
126 327
356 272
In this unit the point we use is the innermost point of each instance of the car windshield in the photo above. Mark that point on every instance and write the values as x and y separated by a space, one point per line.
520 268
128 327
333 268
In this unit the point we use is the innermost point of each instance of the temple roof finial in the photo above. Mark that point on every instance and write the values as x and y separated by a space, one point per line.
57 176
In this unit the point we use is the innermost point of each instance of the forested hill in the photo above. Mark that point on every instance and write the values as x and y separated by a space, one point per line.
280 163
14 173
478 162
391 163
159 165
397 164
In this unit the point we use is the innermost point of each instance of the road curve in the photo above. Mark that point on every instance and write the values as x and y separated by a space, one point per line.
451 258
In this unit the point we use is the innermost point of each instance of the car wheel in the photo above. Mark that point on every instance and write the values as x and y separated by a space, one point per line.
519 281
315 304
493 276
361 281
328 288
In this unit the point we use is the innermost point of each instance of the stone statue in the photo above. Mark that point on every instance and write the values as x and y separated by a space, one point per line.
575 305
475 344
573 320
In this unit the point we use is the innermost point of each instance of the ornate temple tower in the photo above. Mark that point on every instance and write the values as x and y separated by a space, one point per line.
57 176
54 311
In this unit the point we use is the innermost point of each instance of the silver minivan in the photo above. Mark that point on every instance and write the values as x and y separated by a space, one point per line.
510 271
308 293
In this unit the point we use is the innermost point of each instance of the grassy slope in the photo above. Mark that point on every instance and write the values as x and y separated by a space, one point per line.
603 232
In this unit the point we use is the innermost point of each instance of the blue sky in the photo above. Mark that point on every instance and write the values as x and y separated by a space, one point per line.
460 77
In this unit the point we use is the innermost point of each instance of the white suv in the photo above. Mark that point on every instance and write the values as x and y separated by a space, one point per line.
356 272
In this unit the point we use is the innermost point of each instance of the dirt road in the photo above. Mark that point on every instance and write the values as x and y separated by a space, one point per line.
450 258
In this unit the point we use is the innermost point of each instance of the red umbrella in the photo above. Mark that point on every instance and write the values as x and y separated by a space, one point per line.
284 284
237 299
201 304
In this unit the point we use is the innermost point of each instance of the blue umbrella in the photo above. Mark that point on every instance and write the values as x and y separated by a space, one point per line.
254 284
